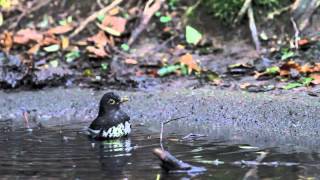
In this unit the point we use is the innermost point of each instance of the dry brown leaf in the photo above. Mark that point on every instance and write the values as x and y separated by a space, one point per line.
6 41
48 40
131 61
34 49
244 85
23 36
114 23
97 51
100 39
60 29
285 68
190 62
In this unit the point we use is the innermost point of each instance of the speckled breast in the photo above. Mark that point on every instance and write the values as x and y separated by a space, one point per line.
120 130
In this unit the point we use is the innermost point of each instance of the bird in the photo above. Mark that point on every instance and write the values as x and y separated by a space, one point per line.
111 122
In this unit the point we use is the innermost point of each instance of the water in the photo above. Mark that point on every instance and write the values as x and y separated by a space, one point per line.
66 152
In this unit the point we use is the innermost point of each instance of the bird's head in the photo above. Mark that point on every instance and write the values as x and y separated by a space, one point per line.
111 101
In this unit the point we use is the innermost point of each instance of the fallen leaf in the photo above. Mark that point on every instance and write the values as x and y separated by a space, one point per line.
72 56
60 29
99 39
131 61
108 30
193 36
244 85
114 11
292 85
23 36
188 60
64 42
48 40
104 66
303 42
168 70
285 68
34 49
165 19
52 48
97 51
6 41
114 25
125 47
54 63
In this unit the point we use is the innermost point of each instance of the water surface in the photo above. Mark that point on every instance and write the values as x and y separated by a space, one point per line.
66 152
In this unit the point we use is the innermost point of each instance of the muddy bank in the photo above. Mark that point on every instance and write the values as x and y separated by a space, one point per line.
290 122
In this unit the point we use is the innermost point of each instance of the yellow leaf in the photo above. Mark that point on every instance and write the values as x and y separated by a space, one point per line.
64 42
109 30
114 11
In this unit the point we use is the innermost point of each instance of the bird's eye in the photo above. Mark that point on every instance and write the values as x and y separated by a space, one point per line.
111 101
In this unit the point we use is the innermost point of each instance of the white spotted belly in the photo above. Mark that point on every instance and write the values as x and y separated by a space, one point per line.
122 129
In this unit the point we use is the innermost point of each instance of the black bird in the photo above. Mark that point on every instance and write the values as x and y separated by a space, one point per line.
111 121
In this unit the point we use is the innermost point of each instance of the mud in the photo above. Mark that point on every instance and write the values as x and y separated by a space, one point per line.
264 119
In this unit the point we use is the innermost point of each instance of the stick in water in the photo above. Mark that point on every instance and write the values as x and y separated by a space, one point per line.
162 126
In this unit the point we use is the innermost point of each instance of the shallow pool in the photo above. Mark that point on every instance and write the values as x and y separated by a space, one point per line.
66 152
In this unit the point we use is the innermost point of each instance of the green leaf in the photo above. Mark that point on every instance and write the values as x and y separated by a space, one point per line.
273 70
66 21
168 70
52 48
104 66
292 85
306 81
184 69
125 47
192 35
165 19
287 54
72 56
54 63
158 14
100 17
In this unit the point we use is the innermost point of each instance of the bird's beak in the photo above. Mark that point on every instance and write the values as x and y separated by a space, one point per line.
124 99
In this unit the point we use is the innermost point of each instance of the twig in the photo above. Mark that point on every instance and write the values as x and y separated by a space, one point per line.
296 34
152 6
162 126
189 11
243 10
253 171
253 29
162 45
93 16
26 12
277 12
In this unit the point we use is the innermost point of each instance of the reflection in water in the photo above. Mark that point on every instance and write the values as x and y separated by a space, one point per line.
69 153
115 155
